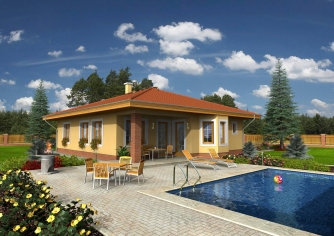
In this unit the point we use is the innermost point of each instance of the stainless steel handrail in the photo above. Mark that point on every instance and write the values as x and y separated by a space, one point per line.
186 175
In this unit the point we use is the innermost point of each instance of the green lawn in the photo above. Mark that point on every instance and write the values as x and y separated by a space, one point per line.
13 151
321 155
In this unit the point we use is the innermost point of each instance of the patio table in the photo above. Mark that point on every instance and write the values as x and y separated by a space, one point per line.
117 165
152 150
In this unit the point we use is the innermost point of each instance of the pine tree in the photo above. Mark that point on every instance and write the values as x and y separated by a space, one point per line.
297 148
37 127
249 150
281 118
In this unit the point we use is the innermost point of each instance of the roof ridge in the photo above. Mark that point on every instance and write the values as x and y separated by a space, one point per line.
138 93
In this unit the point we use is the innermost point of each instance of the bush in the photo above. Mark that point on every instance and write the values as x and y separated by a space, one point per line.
28 207
297 148
267 161
71 161
12 163
249 149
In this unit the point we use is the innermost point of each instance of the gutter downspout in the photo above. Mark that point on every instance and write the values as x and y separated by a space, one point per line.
52 127
243 131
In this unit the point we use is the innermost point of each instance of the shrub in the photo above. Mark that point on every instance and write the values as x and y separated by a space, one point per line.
28 207
123 151
12 163
64 141
267 161
296 148
71 161
82 142
249 149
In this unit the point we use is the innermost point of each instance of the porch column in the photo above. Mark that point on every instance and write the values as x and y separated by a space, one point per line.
323 140
135 149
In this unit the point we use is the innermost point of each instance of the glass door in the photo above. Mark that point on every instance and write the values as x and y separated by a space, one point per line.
162 134
179 136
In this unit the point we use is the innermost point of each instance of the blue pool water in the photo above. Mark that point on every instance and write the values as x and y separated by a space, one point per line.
304 201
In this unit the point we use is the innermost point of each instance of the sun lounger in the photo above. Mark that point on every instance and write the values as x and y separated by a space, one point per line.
215 157
200 161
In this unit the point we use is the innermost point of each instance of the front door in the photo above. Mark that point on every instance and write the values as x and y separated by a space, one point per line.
162 134
179 136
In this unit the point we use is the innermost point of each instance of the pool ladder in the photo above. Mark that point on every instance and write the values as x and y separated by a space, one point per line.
186 175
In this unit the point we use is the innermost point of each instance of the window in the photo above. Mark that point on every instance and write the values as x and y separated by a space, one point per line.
66 132
97 130
234 127
84 130
222 132
208 132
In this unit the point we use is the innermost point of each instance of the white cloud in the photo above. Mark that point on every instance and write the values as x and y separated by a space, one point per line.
130 37
2 105
136 49
240 105
329 48
158 81
314 112
241 61
202 95
80 49
262 92
14 36
92 67
61 100
188 91
221 92
47 84
257 107
23 103
141 62
187 66
10 82
175 48
55 53
296 68
63 72
187 30
7 73
318 103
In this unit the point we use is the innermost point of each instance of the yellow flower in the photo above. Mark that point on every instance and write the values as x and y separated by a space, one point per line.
6 199
48 190
4 177
1 214
79 218
15 204
16 228
8 172
12 190
27 185
88 232
0 182
29 195
20 183
41 195
82 231
95 212
23 229
41 206
83 205
38 230
11 185
47 196
78 199
55 210
30 214
51 218
44 188
74 222
18 171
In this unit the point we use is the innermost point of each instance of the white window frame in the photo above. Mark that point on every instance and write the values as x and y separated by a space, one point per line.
67 123
236 127
88 133
214 133
225 132
92 131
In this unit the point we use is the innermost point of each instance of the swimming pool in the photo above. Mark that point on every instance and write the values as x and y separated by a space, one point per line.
303 201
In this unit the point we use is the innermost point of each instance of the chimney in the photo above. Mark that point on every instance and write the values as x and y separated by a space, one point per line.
128 87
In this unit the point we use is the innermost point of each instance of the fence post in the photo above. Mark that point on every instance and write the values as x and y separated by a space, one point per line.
245 138
323 140
5 139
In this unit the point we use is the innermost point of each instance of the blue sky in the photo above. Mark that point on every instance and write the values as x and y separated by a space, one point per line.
194 48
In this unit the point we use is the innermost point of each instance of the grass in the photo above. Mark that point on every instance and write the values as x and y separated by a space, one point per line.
13 151
321 155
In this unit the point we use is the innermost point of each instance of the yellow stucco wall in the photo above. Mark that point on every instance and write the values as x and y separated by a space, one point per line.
235 139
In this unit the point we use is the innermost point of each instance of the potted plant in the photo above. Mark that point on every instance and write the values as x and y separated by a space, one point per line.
82 142
94 144
123 151
65 141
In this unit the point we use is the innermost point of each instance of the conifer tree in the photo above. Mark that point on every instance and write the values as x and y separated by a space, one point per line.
37 127
281 118
249 150
297 148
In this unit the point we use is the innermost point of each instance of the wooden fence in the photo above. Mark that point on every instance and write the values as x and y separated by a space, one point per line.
12 139
314 139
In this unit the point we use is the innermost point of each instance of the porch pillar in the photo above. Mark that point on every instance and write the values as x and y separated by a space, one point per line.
323 140
135 150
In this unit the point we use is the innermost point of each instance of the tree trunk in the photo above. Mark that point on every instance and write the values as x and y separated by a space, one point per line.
281 144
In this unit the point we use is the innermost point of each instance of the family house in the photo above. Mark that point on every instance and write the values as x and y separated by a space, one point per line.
154 118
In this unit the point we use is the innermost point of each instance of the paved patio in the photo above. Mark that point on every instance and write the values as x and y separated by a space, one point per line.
146 209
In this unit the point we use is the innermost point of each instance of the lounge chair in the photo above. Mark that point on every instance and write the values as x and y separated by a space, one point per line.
215 157
200 161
